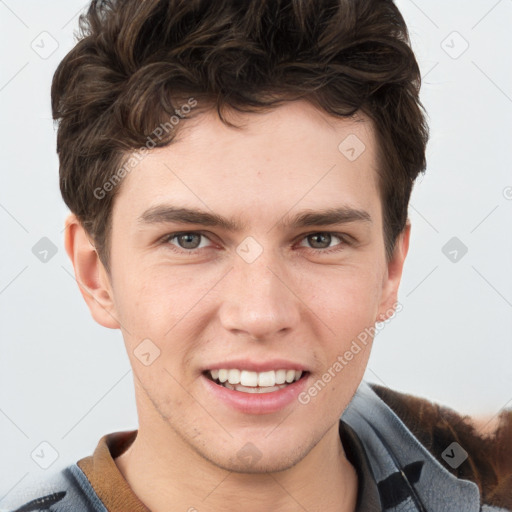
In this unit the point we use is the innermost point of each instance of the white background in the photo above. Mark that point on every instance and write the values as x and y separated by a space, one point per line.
67 381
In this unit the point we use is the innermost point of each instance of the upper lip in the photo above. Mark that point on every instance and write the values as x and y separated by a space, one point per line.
257 366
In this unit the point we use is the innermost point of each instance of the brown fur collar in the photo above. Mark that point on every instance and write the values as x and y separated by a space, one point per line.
489 462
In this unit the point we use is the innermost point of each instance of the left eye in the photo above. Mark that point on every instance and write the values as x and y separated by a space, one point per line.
325 236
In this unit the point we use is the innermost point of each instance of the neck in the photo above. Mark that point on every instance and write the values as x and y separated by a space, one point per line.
171 475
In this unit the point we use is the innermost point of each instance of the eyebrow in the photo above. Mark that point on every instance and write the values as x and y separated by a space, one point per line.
166 214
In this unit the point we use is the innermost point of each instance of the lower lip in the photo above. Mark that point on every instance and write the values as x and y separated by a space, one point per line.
257 403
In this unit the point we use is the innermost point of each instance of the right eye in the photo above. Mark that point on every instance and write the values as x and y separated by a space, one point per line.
189 241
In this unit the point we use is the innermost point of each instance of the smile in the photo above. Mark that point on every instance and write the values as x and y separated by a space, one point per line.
247 381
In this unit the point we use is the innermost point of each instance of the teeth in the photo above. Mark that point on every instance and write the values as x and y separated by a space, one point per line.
233 376
270 379
248 378
280 376
245 389
290 375
267 379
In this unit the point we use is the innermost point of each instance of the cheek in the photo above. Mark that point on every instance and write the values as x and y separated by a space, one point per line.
346 299
143 304
159 302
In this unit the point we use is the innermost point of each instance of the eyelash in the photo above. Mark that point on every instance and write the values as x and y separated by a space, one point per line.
342 236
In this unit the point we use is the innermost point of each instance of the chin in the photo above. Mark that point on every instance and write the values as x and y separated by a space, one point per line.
261 467
250 460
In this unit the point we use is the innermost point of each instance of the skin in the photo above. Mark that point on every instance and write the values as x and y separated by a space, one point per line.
292 302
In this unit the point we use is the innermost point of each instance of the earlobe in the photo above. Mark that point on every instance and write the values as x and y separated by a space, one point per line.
393 275
90 274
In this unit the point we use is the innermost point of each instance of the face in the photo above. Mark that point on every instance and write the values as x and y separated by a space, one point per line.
262 294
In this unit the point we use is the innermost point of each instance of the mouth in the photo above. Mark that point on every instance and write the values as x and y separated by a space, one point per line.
253 382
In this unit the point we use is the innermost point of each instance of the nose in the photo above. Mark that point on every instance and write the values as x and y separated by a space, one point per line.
259 300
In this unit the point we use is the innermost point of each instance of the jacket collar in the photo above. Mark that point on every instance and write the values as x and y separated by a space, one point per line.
409 478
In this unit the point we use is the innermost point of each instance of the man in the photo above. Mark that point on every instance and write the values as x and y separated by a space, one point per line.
238 175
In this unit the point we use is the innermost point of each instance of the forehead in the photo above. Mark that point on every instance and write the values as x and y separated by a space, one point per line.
292 155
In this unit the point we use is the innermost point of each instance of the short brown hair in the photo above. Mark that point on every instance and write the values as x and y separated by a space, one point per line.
135 61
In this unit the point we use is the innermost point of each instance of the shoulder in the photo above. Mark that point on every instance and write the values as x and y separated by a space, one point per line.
488 457
66 490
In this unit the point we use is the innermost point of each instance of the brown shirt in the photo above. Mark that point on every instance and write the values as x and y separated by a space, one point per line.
105 477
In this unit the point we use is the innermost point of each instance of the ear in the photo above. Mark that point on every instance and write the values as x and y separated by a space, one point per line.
91 276
393 275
